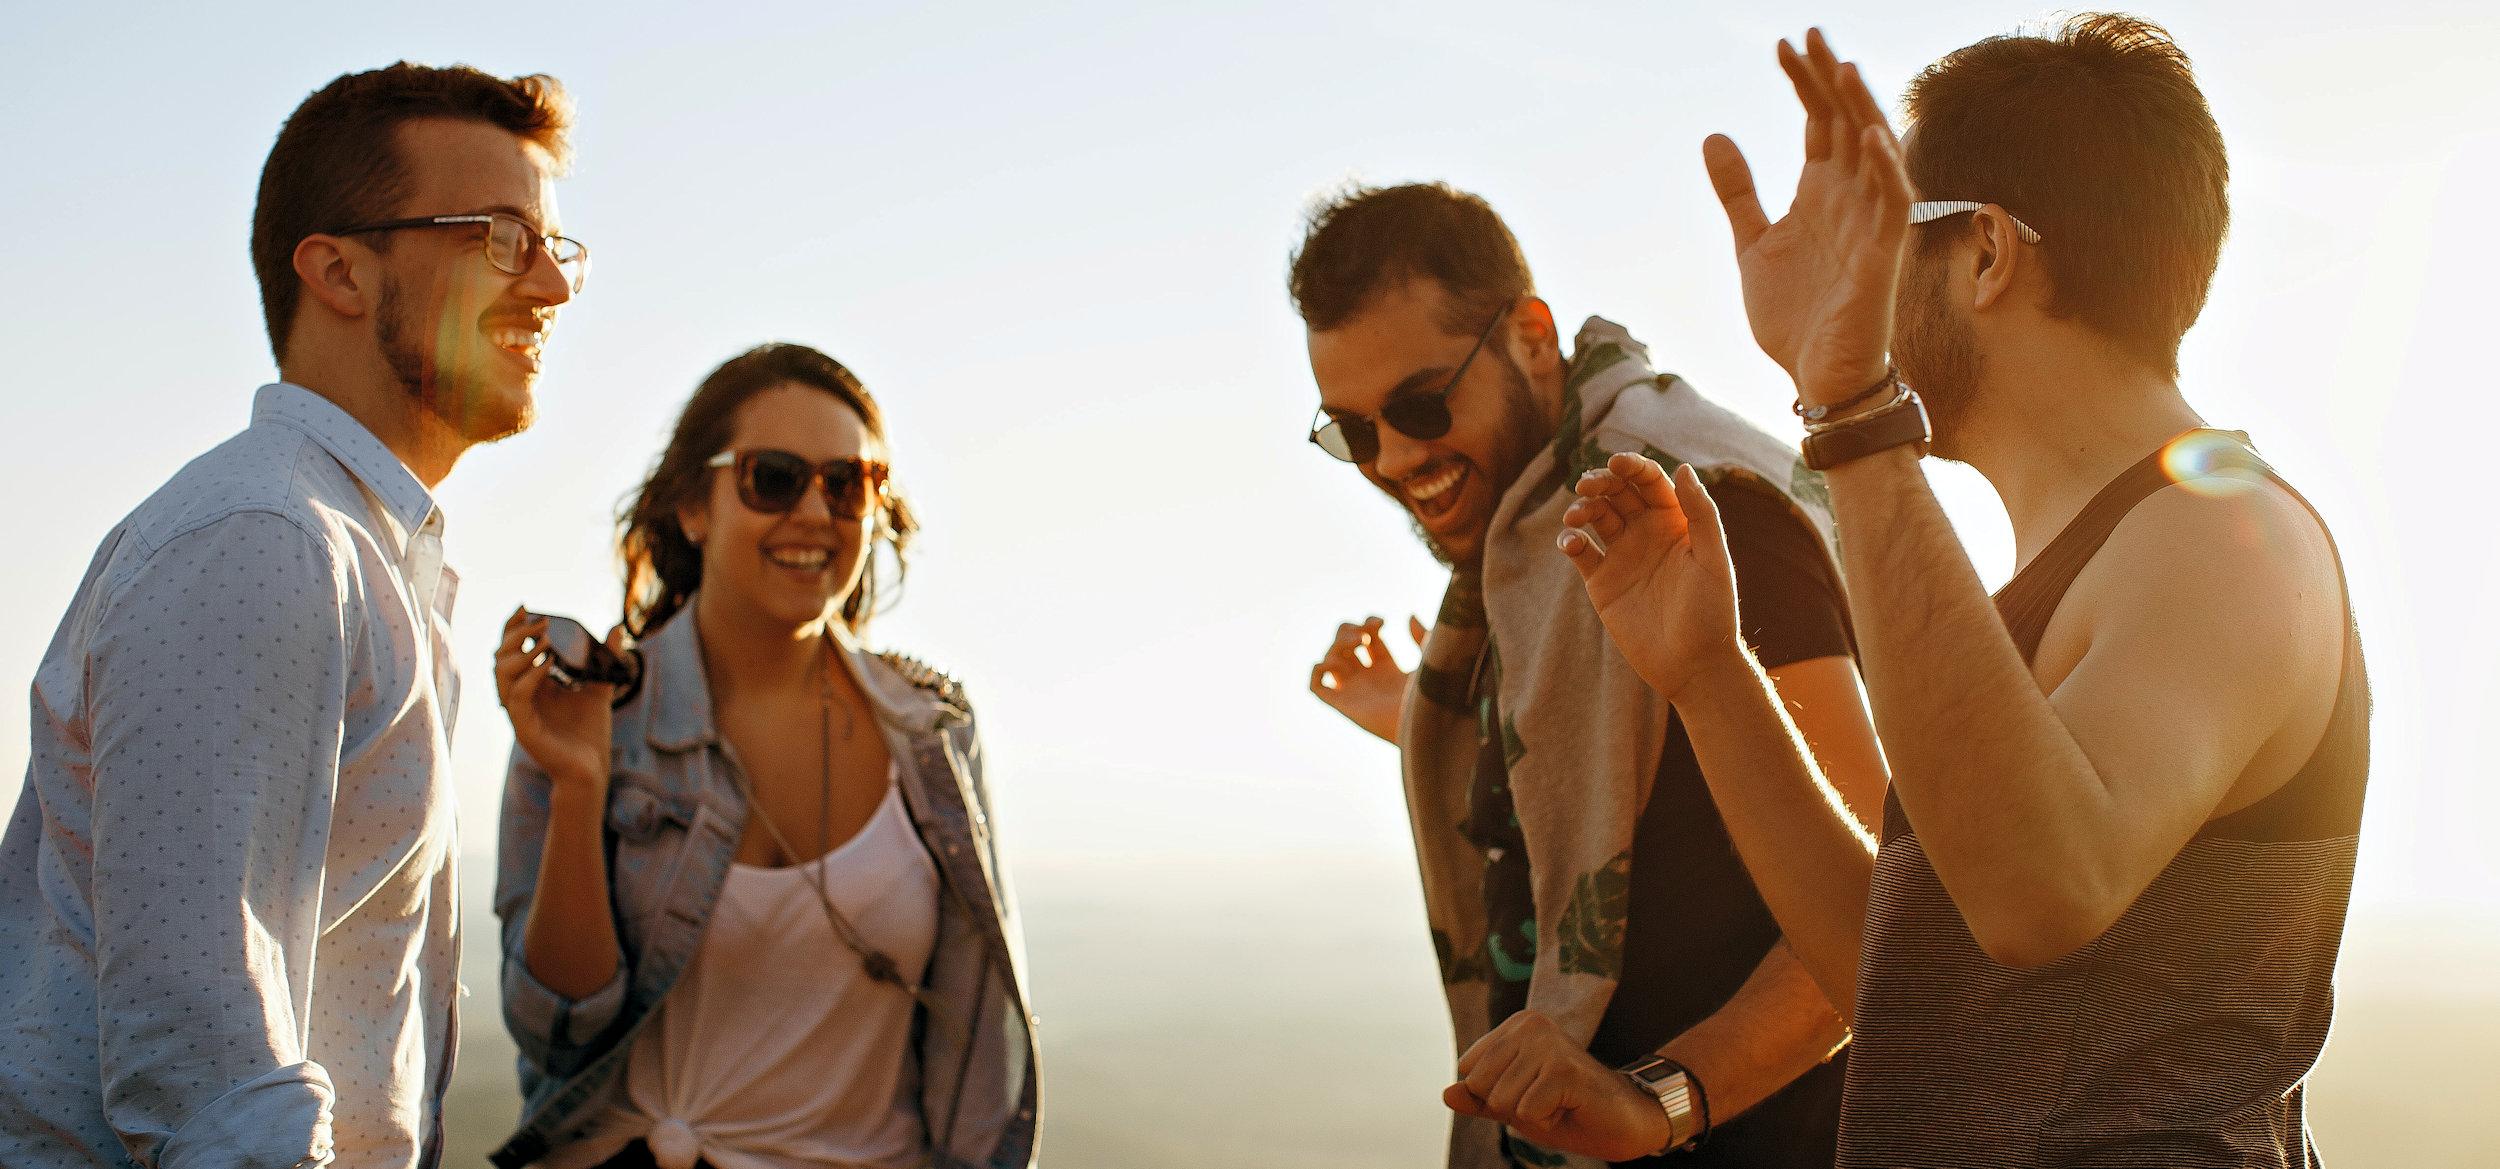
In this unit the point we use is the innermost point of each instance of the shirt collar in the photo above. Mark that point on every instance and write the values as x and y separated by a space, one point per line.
680 696
403 496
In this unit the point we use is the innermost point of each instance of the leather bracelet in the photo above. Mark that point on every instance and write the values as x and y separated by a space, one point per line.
1814 414
1900 393
1901 422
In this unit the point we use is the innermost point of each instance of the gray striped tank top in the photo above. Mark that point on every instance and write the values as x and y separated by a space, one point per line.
2183 1035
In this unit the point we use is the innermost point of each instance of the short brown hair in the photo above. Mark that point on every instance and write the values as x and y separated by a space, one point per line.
336 163
1361 240
663 568
2097 136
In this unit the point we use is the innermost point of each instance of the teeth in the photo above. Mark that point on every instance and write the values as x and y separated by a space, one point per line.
804 559
517 339
1433 487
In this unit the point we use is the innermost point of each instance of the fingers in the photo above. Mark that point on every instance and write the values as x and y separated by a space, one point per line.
1357 649
523 626
1701 515
1583 552
1812 94
1605 517
1481 1067
523 691
512 656
1887 182
1415 628
1518 1073
1847 142
1644 477
1833 78
1860 101
1521 1075
1545 1097
1733 180
1373 648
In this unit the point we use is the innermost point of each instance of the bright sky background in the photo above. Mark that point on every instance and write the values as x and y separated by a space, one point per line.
1053 239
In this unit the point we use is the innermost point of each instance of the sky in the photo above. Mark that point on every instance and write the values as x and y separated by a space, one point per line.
1052 240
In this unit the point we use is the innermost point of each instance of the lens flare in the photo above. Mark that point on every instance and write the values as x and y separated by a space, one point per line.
2212 462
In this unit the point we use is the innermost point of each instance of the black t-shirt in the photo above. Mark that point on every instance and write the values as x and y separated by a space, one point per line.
1696 928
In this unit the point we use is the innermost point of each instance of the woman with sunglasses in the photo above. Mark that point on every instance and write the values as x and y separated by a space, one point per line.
753 916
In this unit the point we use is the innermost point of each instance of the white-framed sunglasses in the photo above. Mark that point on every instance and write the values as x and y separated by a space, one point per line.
1938 209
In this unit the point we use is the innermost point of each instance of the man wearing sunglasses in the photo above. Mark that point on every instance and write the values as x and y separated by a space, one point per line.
227 901
2099 926
1583 896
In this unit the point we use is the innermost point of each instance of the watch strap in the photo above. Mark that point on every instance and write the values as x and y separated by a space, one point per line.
1679 1095
1901 422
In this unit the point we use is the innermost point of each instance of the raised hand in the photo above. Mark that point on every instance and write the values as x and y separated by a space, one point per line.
1530 1075
1360 680
1657 571
564 731
1820 283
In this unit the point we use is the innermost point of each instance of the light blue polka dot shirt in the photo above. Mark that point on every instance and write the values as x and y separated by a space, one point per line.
228 917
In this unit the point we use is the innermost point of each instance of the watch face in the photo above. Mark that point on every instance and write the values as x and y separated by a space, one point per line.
1653 1073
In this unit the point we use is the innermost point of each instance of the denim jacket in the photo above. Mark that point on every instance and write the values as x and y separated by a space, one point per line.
673 823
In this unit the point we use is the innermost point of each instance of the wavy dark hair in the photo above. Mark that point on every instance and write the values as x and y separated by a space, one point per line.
662 567
1362 240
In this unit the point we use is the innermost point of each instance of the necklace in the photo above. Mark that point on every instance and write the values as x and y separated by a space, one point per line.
879 965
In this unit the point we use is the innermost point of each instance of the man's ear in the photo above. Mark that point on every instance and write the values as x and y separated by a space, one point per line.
336 274
1532 329
1999 259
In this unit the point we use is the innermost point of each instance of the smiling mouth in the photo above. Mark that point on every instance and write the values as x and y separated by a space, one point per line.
800 559
1434 494
523 341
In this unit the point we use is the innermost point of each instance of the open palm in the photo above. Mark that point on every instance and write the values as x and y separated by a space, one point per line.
1820 283
1658 570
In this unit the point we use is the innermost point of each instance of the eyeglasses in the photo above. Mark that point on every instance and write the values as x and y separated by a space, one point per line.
1423 414
1938 209
512 244
773 482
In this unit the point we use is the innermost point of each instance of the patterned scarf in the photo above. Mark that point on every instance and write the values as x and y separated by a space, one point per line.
1546 747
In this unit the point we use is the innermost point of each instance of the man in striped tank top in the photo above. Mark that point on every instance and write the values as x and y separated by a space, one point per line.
2100 923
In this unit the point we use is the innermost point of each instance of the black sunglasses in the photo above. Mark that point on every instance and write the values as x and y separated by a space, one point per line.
1423 414
576 658
773 482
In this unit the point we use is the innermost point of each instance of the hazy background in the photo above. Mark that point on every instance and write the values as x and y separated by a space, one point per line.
1052 239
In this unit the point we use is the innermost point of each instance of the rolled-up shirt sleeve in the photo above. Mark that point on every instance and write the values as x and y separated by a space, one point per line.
218 677
549 1027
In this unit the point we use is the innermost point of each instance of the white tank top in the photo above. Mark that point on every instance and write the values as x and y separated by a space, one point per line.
775 1049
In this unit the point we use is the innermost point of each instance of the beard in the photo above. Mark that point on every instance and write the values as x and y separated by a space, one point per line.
1523 432
1934 348
459 396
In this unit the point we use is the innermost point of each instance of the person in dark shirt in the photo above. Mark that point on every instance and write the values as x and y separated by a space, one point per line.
1583 895
2101 921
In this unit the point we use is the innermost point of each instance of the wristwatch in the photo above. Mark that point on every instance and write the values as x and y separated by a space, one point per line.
1679 1095
1899 422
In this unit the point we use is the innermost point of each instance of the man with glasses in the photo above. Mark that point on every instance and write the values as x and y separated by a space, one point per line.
2100 923
1584 900
227 904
